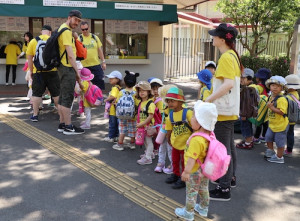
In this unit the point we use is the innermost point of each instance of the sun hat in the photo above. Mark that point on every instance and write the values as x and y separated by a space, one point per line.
86 75
156 80
205 76
210 63
206 114
276 80
248 72
144 85
225 31
47 27
149 79
75 13
115 74
263 73
175 93
293 81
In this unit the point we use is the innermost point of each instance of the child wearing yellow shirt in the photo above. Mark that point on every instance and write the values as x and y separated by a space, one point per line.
204 77
278 121
203 120
179 130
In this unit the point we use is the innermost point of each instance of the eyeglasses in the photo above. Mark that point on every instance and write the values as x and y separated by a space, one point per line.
84 29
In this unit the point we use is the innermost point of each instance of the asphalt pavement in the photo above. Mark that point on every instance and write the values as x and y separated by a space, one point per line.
38 184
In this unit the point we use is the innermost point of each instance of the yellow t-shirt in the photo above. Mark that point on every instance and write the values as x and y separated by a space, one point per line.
180 133
228 67
92 50
151 109
295 93
204 93
85 85
277 122
32 49
24 48
12 51
66 39
197 149
114 92
158 104
259 88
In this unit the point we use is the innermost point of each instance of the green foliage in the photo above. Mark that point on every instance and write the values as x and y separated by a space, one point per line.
278 65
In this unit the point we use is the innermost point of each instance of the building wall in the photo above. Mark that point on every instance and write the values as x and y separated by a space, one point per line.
208 9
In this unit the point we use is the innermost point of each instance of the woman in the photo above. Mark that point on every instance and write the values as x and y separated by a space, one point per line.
226 96
27 38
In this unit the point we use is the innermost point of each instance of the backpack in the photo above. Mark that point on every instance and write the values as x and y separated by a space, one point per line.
157 115
298 103
81 51
51 56
183 121
93 95
293 109
248 102
125 107
262 111
38 60
217 160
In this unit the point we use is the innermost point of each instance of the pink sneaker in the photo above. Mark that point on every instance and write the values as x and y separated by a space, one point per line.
85 127
144 161
144 155
158 168
168 170
286 153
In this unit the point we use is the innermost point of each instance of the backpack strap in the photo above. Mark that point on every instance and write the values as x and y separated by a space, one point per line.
295 99
146 109
65 52
183 119
157 100
81 38
37 38
94 37
275 102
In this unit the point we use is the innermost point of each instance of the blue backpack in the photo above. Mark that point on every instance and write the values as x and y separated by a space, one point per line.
183 121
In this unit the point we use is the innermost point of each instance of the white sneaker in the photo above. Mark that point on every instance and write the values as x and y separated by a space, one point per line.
13 84
131 146
107 139
6 84
118 146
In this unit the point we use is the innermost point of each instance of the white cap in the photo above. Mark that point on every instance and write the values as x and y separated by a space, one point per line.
79 65
157 80
210 62
293 81
115 74
206 114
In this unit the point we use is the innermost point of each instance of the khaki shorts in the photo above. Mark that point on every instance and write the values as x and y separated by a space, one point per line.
67 76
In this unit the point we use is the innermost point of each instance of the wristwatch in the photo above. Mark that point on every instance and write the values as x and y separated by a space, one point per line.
103 61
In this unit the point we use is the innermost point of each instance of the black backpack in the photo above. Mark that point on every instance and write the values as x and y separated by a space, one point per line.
51 55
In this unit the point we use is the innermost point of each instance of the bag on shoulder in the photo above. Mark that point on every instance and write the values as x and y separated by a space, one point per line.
298 103
51 56
81 51
38 60
93 95
249 102
125 107
157 115
262 111
217 160
293 109
183 121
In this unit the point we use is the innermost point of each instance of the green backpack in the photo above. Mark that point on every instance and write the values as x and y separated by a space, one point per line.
262 111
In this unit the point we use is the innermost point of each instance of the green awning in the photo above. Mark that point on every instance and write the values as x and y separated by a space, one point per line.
104 10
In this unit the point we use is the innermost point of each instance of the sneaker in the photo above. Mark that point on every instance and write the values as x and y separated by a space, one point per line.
6 84
256 141
51 105
269 153
233 182
275 159
144 155
116 139
47 97
144 161
13 84
178 184
200 210
159 168
286 153
61 127
34 118
262 139
182 213
72 130
118 146
168 170
243 145
172 179
220 194
85 127
131 146
107 139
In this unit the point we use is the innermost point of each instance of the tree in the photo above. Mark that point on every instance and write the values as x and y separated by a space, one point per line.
263 17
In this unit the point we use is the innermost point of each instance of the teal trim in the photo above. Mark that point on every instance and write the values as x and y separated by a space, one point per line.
104 10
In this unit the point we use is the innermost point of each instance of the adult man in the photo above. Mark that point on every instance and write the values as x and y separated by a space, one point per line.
12 51
68 74
41 79
94 52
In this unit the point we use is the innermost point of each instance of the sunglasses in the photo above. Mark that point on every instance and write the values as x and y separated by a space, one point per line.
85 29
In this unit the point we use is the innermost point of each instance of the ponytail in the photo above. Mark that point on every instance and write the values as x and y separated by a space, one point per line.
231 45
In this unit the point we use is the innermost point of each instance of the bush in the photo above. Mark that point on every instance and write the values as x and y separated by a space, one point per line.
278 65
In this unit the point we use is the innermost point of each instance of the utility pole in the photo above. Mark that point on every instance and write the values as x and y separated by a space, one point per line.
295 50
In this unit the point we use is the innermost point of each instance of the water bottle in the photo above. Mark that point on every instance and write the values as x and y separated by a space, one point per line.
107 107
140 136
161 136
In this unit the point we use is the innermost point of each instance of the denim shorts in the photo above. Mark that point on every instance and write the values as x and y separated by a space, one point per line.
127 126
67 76
278 137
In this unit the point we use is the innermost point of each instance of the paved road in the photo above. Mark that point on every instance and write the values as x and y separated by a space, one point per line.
37 184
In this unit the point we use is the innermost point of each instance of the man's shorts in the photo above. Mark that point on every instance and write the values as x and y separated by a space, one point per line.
43 80
278 137
127 126
67 76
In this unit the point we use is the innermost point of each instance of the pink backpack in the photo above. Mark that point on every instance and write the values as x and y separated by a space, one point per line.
93 95
216 161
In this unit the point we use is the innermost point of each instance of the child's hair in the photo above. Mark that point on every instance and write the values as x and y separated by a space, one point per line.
155 82
130 78
153 85
119 82
249 78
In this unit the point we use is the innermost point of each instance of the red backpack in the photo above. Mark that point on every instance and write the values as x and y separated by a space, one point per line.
93 95
157 115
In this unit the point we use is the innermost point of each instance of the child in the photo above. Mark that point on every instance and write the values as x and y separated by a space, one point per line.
262 75
179 130
145 119
204 77
127 126
86 77
293 84
203 120
246 126
211 66
115 79
277 107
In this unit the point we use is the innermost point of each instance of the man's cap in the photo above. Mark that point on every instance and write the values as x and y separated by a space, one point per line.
225 31
47 27
209 63
115 74
75 13
248 72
